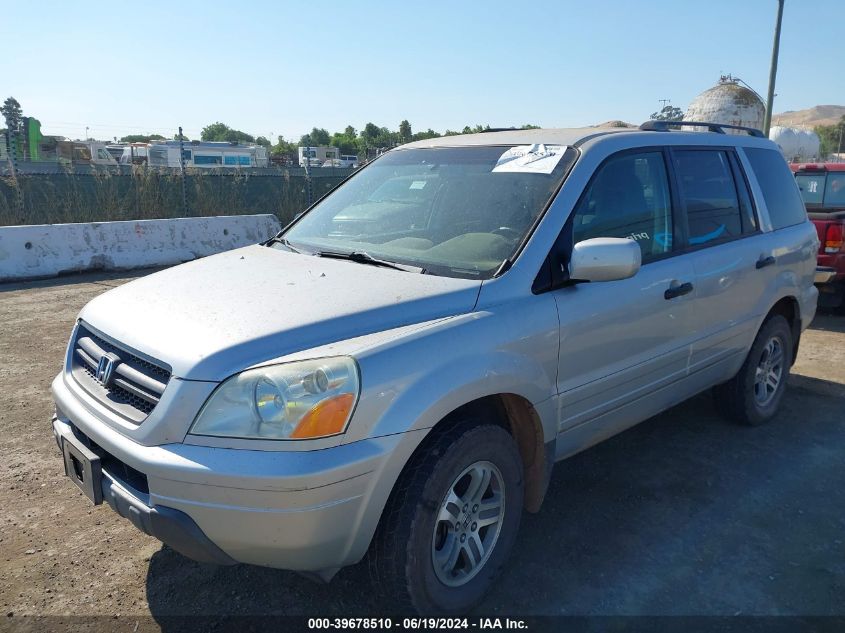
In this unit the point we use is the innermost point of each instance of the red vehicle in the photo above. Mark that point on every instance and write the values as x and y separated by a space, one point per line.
823 189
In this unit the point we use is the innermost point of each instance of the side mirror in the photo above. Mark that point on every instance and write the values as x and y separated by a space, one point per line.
604 259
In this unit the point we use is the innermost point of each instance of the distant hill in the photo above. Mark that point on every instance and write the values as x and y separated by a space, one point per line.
811 117
615 123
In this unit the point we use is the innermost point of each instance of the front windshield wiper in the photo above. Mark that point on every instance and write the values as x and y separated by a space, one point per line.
363 257
284 242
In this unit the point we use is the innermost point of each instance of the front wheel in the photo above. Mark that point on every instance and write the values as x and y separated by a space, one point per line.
451 521
754 394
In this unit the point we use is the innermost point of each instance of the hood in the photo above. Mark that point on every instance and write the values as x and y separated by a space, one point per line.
216 316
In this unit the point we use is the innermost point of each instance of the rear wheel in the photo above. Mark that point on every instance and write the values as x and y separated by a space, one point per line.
450 522
754 394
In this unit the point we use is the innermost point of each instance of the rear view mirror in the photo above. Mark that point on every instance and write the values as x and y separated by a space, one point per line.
604 259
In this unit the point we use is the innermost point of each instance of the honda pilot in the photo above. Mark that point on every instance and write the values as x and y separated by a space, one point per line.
393 376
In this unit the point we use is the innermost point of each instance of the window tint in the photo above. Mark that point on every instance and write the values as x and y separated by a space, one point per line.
812 186
834 191
749 218
204 159
779 191
709 196
629 197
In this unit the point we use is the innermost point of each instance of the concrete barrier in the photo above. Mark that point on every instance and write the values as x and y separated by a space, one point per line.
48 250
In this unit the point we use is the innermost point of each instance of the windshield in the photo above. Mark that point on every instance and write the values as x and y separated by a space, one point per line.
458 212
822 189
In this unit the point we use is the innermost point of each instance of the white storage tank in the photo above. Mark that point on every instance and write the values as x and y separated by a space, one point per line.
787 140
797 145
810 145
730 103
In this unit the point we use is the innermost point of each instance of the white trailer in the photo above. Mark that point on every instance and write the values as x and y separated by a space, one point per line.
315 156
205 154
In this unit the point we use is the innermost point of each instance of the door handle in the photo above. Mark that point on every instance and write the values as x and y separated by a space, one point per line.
765 261
677 291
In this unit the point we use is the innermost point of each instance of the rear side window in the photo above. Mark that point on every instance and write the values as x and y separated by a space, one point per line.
834 191
779 191
709 196
628 197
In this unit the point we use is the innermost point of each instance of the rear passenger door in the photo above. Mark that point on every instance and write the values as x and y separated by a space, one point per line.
732 260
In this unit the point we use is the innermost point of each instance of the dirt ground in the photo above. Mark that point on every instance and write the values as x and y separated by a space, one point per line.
683 515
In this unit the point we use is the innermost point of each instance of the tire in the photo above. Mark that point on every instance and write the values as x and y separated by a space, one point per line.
743 399
413 529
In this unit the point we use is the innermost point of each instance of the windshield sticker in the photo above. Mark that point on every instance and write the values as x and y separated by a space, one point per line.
530 159
417 184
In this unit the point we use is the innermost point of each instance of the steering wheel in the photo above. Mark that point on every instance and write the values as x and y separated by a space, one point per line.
507 232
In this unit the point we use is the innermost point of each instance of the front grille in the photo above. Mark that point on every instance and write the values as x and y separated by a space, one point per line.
136 384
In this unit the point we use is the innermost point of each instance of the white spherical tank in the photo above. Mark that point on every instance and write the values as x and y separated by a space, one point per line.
797 145
730 103
786 138
810 145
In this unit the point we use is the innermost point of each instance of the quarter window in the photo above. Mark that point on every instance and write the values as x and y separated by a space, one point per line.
628 197
709 195
782 197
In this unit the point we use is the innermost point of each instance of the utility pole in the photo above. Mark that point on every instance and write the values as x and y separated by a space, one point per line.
182 172
308 191
13 165
664 103
773 71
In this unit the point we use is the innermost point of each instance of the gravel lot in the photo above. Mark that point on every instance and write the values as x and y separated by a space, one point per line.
684 514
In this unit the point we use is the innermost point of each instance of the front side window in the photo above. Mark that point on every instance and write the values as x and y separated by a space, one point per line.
709 195
628 197
458 211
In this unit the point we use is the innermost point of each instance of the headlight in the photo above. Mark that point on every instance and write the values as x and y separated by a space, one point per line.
295 401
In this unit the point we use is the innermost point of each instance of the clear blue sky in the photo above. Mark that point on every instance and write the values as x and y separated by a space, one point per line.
282 68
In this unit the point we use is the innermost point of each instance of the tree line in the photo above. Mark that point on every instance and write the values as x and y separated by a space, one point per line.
348 141
352 141
831 137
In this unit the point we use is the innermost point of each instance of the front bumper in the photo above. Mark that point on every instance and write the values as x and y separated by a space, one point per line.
312 511
170 526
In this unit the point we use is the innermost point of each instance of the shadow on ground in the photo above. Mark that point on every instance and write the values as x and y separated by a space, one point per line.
829 321
109 278
683 514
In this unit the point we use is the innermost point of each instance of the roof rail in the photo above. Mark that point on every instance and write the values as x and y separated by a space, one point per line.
718 128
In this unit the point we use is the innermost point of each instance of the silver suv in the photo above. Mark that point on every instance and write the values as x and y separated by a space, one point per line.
394 375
